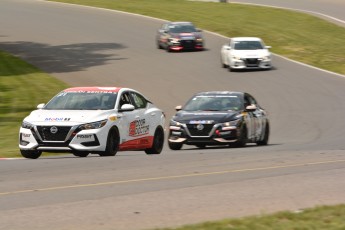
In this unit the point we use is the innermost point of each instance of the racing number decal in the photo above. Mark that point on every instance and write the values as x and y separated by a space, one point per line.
138 128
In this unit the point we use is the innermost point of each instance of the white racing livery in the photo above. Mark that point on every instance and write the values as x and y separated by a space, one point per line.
245 53
101 120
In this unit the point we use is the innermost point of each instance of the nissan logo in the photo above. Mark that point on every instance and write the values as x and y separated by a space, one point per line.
53 129
199 127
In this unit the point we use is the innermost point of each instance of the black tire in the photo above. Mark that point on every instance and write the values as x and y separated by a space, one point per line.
80 154
222 63
31 154
159 45
175 146
158 142
201 146
242 139
266 136
113 142
168 49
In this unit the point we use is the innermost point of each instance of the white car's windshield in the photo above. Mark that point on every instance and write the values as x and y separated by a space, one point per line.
82 101
247 45
213 103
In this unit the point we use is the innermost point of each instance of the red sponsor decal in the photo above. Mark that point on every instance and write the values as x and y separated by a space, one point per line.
138 128
140 143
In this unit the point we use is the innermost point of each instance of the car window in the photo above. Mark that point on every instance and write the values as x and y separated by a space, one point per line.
138 100
214 103
164 27
124 99
82 101
182 28
249 100
247 45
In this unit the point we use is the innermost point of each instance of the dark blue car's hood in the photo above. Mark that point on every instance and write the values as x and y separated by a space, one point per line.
215 116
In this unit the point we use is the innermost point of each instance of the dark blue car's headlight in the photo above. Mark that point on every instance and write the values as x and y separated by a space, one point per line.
231 123
175 123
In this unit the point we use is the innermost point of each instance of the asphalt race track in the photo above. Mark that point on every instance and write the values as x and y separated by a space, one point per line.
303 166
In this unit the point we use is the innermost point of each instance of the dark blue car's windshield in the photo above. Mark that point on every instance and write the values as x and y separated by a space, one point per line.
182 29
214 103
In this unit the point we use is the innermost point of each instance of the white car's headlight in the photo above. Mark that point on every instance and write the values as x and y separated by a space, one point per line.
236 57
93 125
266 58
27 125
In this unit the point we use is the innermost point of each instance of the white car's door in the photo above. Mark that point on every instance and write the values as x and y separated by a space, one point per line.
125 118
139 125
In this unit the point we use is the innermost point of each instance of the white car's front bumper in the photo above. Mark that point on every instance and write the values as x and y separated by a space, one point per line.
250 63
84 140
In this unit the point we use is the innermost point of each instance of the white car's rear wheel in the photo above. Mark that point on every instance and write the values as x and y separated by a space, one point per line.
158 142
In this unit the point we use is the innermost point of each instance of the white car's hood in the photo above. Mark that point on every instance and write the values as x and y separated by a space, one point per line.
250 53
66 117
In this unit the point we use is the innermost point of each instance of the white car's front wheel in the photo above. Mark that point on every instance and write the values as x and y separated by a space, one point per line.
113 141
222 63
31 154
80 154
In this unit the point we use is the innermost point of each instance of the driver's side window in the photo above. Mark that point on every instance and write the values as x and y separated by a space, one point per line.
124 99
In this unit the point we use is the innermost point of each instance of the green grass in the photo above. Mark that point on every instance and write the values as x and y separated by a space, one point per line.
295 35
319 218
22 88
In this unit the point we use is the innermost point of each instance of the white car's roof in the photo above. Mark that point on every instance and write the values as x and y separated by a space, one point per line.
93 89
246 39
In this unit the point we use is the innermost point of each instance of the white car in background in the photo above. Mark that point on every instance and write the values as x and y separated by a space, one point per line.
245 53
100 120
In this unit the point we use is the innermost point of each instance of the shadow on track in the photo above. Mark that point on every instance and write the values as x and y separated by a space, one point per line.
63 58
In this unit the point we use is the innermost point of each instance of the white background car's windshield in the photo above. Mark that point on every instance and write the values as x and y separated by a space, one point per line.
247 45
82 101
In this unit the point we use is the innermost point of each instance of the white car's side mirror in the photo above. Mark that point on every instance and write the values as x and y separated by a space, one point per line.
40 106
227 47
178 108
268 47
127 107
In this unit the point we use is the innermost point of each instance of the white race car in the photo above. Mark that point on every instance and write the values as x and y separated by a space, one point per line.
245 53
101 120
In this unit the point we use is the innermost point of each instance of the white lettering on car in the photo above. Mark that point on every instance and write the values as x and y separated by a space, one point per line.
84 136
